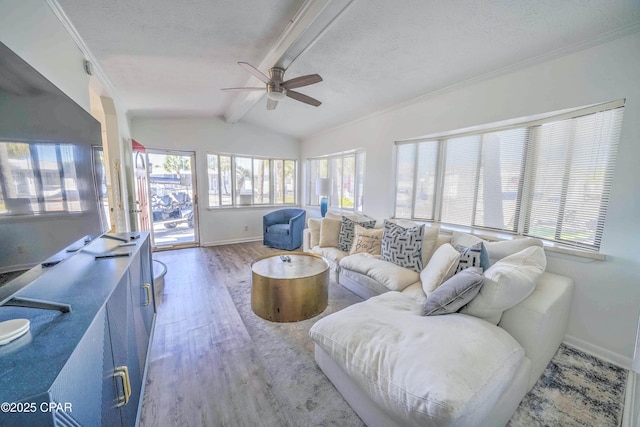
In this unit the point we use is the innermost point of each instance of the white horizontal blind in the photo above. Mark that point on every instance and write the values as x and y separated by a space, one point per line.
572 176
549 178
346 172
405 179
460 183
416 177
500 179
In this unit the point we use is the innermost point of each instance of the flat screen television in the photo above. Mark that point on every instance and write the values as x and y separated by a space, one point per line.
51 176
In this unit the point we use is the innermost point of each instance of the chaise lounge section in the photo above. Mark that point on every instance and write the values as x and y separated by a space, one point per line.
397 367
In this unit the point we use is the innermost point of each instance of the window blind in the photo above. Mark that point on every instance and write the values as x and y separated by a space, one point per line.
549 178
571 177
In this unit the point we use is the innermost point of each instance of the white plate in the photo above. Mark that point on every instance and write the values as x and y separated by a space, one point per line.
12 329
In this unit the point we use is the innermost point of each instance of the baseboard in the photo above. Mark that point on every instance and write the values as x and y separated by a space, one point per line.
599 352
232 241
631 416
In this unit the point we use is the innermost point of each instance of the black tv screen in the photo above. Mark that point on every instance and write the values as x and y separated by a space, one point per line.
51 175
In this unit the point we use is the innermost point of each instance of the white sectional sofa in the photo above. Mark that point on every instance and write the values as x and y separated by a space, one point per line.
398 367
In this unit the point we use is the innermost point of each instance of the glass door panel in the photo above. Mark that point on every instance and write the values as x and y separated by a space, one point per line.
172 201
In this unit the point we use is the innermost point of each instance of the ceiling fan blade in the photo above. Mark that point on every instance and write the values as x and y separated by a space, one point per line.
301 81
253 70
229 89
303 98
271 104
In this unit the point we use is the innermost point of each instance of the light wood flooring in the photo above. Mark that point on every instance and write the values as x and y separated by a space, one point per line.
203 369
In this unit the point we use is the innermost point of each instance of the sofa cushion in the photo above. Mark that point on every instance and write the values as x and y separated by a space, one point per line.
314 231
441 267
506 283
282 229
495 250
329 232
402 246
366 240
345 240
455 293
334 255
504 248
392 276
425 370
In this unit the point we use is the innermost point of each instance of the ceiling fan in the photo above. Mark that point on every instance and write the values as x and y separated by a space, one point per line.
277 88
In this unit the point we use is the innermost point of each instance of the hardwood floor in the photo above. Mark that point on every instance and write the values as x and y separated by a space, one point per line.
203 369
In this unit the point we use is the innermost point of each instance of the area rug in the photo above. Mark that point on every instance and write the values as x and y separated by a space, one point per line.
575 390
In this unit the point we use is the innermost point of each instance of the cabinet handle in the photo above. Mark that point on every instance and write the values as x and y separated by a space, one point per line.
123 373
147 286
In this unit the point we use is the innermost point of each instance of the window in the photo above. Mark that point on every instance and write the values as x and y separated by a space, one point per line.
256 181
548 179
346 173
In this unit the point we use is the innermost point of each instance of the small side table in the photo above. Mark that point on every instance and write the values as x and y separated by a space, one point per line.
289 291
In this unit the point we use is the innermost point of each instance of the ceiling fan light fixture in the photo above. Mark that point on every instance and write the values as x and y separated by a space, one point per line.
276 96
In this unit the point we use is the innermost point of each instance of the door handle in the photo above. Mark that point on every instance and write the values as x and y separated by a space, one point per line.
135 210
147 286
123 373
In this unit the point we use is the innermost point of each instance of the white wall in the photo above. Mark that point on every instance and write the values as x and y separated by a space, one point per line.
212 135
607 295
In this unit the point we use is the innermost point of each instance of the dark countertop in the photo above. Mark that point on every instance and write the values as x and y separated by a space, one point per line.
30 364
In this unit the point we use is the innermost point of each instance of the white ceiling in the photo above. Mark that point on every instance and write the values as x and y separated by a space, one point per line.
171 58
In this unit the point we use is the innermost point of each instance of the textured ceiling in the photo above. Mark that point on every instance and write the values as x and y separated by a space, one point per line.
171 58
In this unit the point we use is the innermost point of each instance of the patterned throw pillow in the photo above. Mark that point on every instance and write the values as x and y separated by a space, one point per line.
402 246
347 231
472 256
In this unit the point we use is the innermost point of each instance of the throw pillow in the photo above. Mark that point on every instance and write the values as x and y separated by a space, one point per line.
367 240
455 293
345 240
402 246
329 232
507 283
314 231
442 266
472 256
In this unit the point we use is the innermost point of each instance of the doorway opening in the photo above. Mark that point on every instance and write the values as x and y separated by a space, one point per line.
172 199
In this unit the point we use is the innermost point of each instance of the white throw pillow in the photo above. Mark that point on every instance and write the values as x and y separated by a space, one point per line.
441 266
507 283
329 232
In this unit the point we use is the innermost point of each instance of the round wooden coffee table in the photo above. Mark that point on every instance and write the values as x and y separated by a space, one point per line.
289 289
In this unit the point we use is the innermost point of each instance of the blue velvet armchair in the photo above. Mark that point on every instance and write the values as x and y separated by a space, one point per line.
283 228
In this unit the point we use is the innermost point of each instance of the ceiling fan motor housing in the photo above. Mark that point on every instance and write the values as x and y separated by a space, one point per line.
274 90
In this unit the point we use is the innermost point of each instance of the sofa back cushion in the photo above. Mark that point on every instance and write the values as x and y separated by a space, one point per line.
495 250
507 283
314 231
